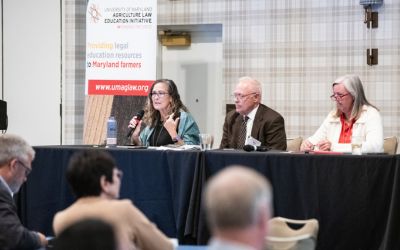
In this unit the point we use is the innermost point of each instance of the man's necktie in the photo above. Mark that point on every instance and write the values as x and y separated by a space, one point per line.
242 133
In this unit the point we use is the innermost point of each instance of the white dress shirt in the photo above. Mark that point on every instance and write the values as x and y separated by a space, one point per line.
250 121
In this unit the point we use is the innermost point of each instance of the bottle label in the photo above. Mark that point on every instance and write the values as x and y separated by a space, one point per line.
111 141
111 132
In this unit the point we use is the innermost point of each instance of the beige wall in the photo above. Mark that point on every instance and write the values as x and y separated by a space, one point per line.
31 72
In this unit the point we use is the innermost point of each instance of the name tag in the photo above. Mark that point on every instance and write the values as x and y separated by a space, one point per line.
252 141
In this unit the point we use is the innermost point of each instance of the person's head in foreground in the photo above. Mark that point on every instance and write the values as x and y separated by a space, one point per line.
238 203
95 179
87 234
94 173
16 157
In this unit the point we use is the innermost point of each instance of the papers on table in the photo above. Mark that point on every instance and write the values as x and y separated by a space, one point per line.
177 147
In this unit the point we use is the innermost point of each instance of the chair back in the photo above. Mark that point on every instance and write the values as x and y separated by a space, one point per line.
390 145
293 144
288 234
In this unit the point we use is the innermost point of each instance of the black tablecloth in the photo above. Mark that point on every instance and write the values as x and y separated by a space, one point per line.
349 195
158 183
354 198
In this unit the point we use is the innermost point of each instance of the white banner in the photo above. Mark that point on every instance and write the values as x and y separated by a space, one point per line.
121 42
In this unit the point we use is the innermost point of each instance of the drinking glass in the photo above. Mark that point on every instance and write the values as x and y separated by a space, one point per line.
356 144
206 141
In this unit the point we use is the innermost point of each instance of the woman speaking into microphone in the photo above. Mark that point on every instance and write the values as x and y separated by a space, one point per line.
166 120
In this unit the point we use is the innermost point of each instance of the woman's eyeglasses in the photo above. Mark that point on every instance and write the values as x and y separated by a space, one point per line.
338 97
158 94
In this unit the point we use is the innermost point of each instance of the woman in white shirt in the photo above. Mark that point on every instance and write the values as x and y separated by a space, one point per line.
353 115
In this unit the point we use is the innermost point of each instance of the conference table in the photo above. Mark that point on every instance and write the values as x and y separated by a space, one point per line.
355 198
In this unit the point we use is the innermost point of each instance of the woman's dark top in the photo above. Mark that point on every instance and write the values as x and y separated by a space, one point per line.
160 136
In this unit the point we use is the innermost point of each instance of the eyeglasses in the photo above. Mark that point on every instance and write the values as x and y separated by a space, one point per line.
158 94
338 97
28 170
241 96
119 174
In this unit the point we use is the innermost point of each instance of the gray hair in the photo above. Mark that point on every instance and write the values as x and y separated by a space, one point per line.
14 146
255 83
235 197
354 85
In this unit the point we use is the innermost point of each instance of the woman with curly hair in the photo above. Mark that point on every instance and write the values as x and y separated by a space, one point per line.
166 119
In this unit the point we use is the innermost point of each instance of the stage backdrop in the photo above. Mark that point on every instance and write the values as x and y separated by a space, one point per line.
121 40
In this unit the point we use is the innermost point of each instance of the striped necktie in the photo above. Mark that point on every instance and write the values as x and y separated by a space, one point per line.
242 133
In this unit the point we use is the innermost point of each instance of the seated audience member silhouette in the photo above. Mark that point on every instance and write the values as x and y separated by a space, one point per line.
16 157
87 234
238 206
95 180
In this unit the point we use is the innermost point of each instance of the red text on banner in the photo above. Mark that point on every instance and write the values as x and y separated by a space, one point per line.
119 87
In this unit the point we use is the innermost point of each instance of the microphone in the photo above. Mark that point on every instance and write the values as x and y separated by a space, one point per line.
139 116
249 148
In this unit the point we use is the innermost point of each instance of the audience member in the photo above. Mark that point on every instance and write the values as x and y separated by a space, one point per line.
87 234
95 180
353 115
16 157
238 207
167 119
251 118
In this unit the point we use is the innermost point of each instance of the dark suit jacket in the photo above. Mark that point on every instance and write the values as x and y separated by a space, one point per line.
13 235
268 128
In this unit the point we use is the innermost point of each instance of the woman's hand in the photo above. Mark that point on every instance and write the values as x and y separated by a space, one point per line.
134 123
306 145
324 145
170 125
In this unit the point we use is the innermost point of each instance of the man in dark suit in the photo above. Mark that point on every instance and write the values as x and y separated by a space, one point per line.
258 121
16 157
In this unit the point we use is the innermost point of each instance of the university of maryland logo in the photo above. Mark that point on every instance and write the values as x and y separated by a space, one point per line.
94 12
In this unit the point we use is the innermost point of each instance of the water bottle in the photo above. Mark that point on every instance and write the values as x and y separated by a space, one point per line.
111 131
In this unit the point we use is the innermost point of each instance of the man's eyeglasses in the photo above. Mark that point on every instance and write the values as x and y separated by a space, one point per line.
28 170
158 94
241 96
338 97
